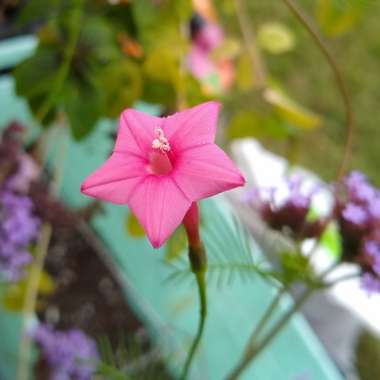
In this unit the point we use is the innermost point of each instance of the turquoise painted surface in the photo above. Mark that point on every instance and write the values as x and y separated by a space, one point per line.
170 309
15 49
10 324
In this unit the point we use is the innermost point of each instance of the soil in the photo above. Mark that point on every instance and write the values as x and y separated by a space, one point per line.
88 297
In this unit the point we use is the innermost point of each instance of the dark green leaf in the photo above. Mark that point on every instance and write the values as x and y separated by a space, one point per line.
83 106
121 85
35 76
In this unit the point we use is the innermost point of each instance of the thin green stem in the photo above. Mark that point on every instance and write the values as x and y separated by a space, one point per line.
252 351
35 273
30 301
249 40
74 31
201 283
350 119
267 316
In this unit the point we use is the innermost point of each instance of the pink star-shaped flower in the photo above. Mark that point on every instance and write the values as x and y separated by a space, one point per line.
160 166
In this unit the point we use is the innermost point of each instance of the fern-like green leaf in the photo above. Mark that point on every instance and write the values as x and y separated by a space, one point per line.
229 250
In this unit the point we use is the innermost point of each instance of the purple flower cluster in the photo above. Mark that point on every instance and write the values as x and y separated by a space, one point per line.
287 209
358 215
18 229
71 354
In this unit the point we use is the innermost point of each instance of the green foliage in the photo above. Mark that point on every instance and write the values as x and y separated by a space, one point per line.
133 226
14 294
295 267
331 240
35 77
176 244
367 352
245 79
128 359
290 110
37 10
250 123
229 254
112 78
81 103
337 17
121 85
275 38
82 68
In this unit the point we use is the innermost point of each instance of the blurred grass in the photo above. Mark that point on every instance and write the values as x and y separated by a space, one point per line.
308 78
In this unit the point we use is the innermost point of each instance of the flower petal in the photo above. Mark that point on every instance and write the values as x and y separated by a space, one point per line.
160 206
116 179
192 127
205 171
136 132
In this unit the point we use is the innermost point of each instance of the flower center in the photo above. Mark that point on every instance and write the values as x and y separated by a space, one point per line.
161 142
160 158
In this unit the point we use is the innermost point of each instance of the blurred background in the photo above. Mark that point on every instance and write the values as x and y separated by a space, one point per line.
82 273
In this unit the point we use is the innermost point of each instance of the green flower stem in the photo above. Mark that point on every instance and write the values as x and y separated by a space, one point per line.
200 276
254 350
350 118
267 316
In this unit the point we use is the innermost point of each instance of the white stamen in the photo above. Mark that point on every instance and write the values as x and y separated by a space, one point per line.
161 142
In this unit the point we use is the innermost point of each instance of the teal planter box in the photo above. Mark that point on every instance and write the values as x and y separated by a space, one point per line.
170 309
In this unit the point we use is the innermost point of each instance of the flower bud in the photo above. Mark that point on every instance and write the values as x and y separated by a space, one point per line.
197 253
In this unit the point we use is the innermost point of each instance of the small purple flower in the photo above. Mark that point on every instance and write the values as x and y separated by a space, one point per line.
18 229
71 354
355 214
371 254
287 207
358 214
359 189
370 283
374 209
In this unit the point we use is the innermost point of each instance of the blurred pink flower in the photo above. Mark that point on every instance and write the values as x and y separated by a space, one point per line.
160 166
217 75
209 37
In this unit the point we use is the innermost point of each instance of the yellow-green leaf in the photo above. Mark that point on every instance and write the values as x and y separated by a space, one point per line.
252 124
291 111
276 38
161 65
133 226
14 295
176 244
